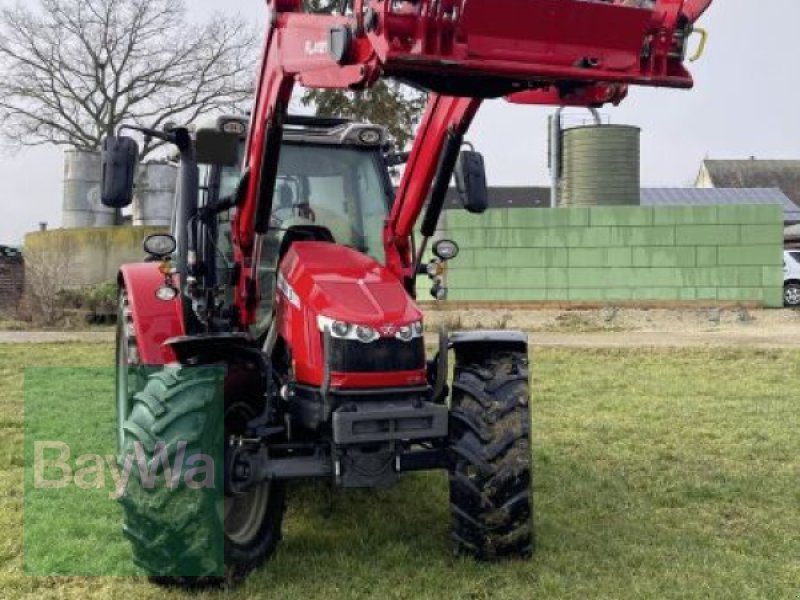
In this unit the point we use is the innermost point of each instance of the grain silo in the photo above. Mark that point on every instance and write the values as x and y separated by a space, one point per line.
82 206
600 166
155 196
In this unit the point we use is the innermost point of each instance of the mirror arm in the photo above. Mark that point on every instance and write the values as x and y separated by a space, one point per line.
444 174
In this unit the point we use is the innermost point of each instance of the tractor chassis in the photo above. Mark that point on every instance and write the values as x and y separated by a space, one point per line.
369 447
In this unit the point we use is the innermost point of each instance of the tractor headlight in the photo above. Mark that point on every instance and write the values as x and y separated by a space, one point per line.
347 331
366 334
410 332
341 329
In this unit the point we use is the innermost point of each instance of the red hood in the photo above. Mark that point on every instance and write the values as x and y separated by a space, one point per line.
343 284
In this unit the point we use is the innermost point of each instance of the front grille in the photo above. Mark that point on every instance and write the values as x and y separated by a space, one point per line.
385 354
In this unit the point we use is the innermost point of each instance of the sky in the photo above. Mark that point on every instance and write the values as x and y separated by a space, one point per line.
746 103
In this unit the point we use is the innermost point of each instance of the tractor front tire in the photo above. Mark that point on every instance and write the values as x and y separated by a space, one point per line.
176 534
490 472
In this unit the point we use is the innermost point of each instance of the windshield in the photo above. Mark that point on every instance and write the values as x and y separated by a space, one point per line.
340 188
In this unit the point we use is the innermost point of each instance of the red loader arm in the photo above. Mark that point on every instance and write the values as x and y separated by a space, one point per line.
563 52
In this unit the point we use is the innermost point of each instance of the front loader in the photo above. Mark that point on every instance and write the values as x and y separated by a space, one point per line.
292 265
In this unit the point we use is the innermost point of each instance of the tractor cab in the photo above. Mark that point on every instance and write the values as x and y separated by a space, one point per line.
332 186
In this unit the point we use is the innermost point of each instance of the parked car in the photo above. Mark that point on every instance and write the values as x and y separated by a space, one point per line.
791 278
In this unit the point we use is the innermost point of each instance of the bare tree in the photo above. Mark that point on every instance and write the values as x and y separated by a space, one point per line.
71 71
48 272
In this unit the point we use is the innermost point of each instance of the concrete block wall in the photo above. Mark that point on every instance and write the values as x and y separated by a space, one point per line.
716 253
96 253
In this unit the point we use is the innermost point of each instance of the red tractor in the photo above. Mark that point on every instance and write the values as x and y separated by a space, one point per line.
295 273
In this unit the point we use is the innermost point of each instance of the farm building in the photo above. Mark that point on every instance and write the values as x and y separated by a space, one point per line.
12 278
753 173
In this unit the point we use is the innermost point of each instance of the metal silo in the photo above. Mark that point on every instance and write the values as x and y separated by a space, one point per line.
155 196
82 206
600 166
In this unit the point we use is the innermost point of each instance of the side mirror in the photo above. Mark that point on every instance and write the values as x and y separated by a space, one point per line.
217 148
120 157
470 174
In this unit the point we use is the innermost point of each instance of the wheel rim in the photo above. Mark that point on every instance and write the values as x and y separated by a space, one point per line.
127 363
244 515
792 296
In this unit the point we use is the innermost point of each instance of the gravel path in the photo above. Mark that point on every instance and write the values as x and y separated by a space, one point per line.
752 337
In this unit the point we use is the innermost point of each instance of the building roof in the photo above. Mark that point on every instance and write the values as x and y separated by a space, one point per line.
782 174
715 196
539 197
507 197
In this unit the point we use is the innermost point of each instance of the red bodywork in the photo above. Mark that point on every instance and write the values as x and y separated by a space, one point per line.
322 279
561 52
156 321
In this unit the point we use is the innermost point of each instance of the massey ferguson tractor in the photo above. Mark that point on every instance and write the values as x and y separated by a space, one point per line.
288 281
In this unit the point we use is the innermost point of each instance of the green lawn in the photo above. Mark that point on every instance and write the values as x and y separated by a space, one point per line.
659 474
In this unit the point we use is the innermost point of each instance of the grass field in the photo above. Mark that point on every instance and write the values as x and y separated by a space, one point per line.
659 474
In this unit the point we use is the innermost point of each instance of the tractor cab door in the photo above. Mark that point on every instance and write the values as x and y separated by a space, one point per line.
324 192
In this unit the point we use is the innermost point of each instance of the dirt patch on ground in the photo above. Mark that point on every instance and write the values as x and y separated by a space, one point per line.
620 327
608 327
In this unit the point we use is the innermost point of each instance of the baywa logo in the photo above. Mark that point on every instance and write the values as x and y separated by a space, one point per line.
89 471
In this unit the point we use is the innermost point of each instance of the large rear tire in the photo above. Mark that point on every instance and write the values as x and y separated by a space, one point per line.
490 473
174 535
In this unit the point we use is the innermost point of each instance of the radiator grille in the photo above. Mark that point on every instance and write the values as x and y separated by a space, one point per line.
385 354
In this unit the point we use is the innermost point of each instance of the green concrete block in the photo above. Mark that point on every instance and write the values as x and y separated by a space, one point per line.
740 294
476 295
516 238
532 278
642 236
685 215
558 294
619 257
752 214
587 257
466 259
751 255
619 294
497 278
467 278
587 294
556 278
526 295
772 277
461 219
470 238
762 234
621 216
706 256
600 257
657 294
549 217
772 297
706 235
578 237
581 278
706 293
664 257
521 257
688 293
723 277
660 278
